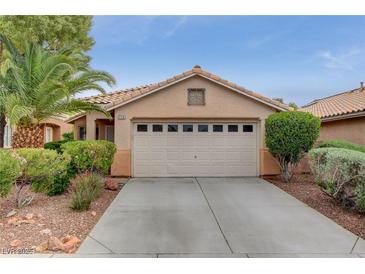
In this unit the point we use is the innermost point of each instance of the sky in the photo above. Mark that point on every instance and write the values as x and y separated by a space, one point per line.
297 58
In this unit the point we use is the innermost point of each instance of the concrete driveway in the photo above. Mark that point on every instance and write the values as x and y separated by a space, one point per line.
214 217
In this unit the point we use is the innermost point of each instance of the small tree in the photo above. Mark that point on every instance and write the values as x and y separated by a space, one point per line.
288 136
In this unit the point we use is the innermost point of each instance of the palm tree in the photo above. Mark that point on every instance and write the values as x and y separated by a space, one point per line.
39 84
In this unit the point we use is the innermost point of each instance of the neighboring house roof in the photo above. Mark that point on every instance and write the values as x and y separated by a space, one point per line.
342 105
115 99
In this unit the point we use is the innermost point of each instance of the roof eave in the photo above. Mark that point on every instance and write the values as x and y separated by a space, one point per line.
343 116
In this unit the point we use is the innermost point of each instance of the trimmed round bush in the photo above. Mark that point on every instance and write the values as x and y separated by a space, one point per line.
340 173
10 170
90 155
288 135
342 144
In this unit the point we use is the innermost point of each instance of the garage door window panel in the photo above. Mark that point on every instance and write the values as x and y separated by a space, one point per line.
157 128
142 128
188 128
247 128
203 128
232 128
217 128
172 128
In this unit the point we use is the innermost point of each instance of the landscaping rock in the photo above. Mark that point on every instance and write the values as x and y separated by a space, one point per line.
15 243
111 184
70 243
54 244
13 221
29 216
11 213
93 213
42 247
46 231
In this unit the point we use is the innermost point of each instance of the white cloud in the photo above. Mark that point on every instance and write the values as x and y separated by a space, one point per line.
345 60
178 24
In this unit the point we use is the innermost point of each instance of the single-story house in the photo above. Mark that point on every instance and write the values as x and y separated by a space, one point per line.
342 115
52 128
192 124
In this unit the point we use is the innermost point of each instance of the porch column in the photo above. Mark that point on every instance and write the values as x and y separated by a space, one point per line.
90 127
91 124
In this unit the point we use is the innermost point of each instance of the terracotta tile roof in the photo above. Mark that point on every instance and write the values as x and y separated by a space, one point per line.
122 96
340 104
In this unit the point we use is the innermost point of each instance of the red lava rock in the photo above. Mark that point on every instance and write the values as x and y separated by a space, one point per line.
15 243
111 184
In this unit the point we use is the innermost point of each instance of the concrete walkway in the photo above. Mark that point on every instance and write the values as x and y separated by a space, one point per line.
214 217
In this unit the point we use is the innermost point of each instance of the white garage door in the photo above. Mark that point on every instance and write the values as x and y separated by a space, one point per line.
194 149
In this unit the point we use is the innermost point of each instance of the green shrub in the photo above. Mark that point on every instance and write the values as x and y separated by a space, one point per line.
342 144
39 169
340 173
62 181
90 155
88 187
288 135
56 145
68 136
10 170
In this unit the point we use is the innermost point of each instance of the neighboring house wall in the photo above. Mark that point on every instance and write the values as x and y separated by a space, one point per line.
352 130
59 127
170 104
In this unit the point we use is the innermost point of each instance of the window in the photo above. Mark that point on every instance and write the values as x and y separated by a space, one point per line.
7 136
232 128
217 128
109 133
82 133
49 135
142 128
247 128
157 128
196 96
97 132
172 128
203 128
187 128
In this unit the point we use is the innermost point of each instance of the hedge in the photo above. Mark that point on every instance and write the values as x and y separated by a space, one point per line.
342 144
340 173
90 155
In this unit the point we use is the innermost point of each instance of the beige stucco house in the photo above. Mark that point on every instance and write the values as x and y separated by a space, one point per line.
192 124
342 115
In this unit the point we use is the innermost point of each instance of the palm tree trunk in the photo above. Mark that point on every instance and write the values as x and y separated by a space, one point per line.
28 137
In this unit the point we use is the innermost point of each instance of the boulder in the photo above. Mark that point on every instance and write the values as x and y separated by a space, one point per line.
70 243
54 244
111 184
